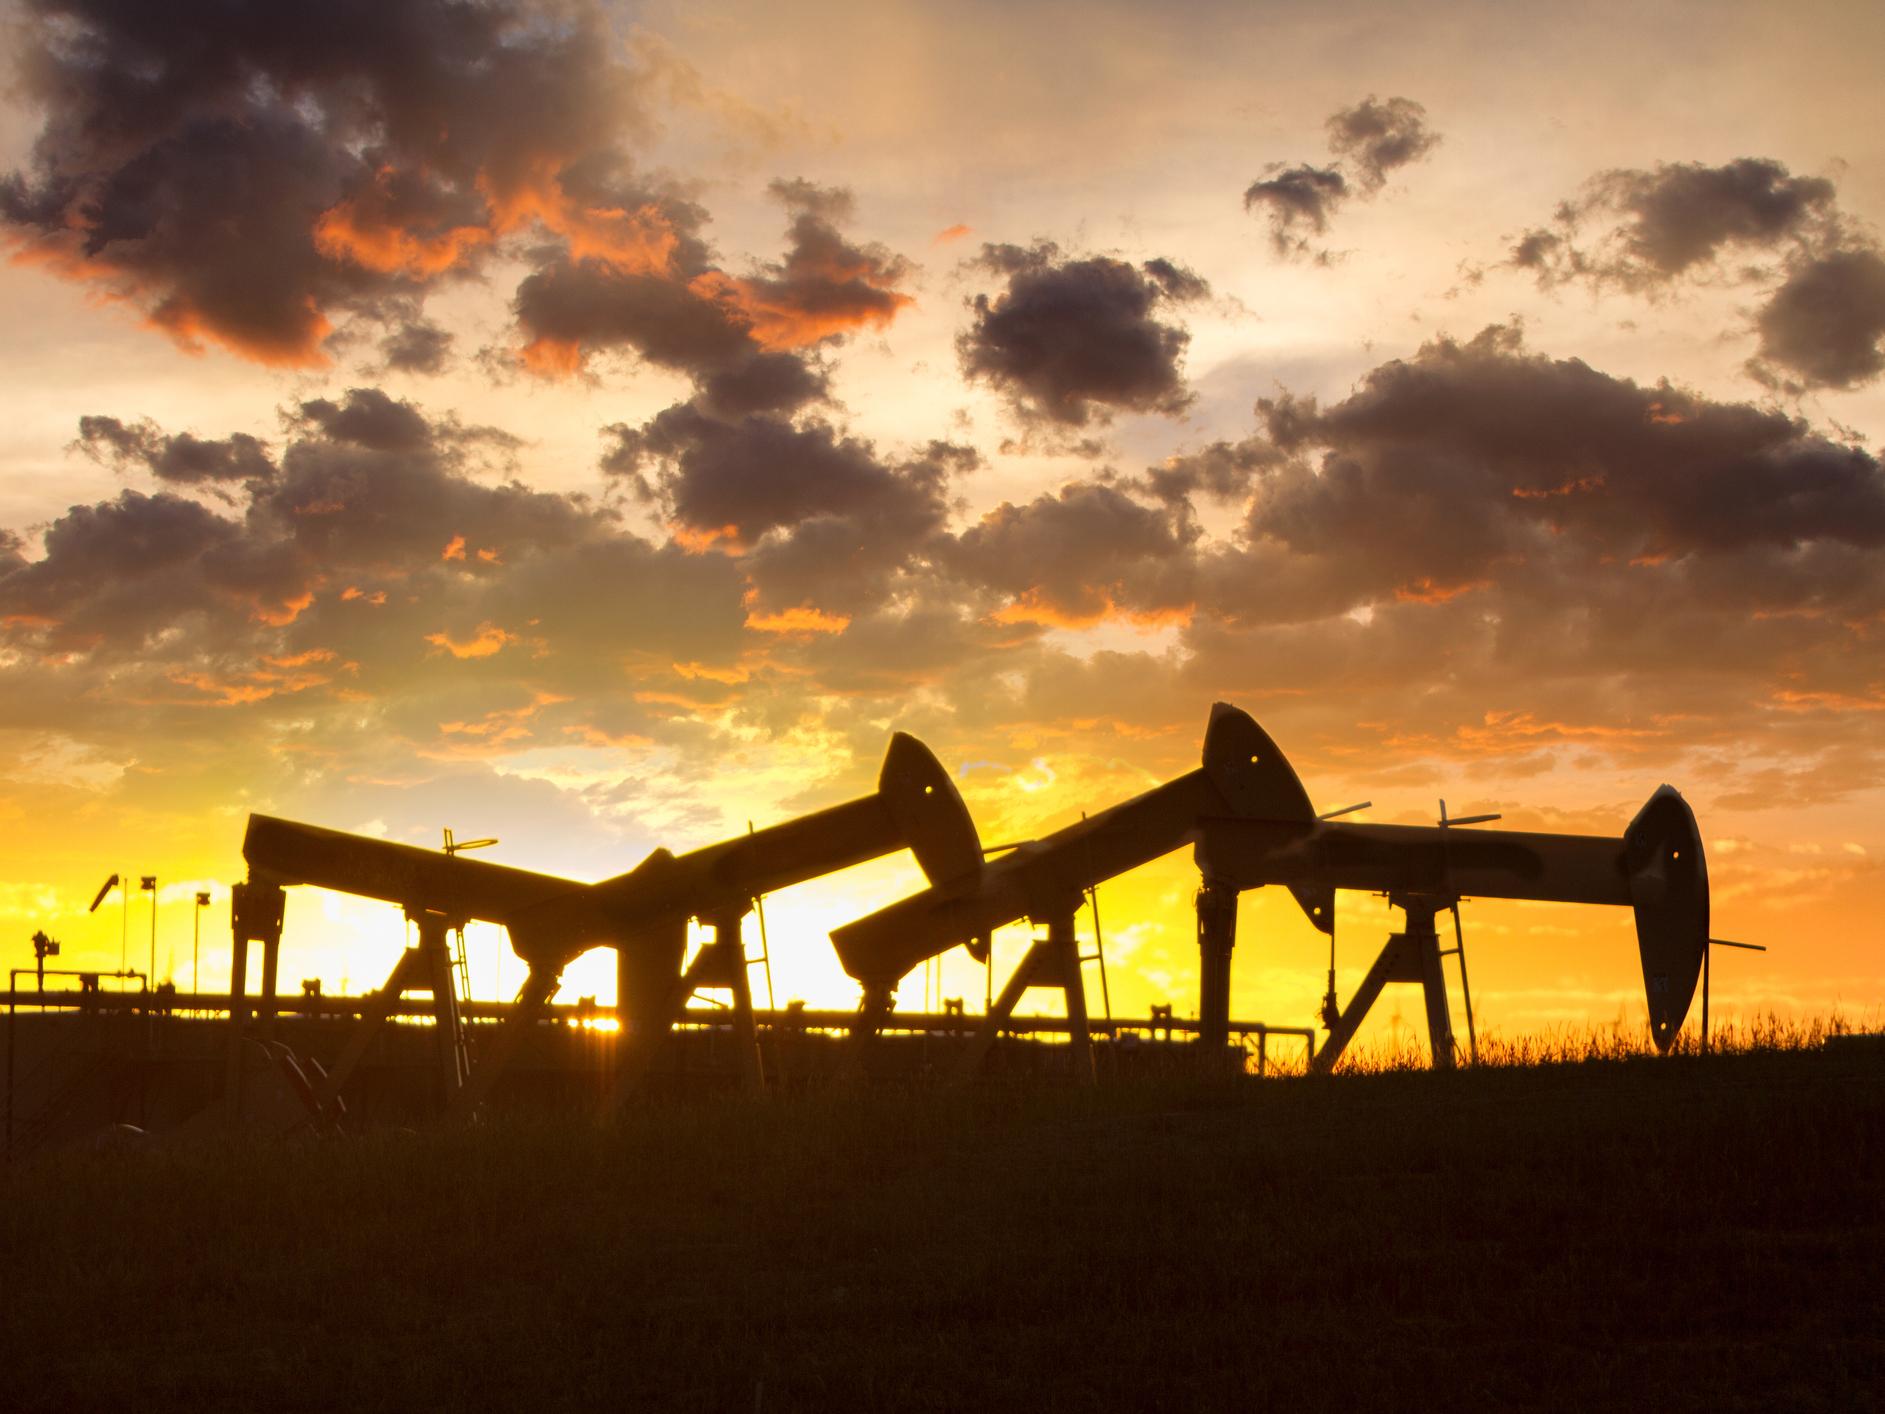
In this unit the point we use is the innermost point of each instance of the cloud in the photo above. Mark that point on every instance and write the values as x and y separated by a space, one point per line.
820 520
1652 231
1085 553
244 173
1070 342
1377 136
1677 220
690 315
1297 197
378 588
417 346
182 459
1825 324
1370 140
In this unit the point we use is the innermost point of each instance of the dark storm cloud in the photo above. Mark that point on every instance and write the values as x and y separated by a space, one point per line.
1379 135
181 459
1071 342
1824 326
241 170
1297 198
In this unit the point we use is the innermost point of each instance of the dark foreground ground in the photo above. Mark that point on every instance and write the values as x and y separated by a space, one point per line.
1682 1234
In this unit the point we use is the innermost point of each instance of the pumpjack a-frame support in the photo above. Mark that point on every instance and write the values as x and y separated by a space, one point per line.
1052 961
427 967
1413 955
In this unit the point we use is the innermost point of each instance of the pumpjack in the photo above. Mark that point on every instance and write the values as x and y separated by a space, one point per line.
643 914
1251 825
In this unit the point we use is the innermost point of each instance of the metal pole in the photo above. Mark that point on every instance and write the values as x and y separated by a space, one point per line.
153 968
1707 948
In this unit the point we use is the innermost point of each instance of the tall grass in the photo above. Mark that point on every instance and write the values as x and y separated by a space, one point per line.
1577 1044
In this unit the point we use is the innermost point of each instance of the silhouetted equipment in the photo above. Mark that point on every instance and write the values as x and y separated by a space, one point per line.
1253 825
1656 868
1047 879
103 889
44 947
148 884
1714 943
642 914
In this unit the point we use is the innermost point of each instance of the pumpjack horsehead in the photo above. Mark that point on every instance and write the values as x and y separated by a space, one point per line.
1251 824
643 914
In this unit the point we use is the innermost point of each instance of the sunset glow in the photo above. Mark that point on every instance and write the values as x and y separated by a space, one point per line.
600 426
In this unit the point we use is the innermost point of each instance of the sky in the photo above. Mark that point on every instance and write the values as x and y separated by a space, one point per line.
599 426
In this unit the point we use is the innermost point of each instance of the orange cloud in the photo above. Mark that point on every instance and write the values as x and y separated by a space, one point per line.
552 358
279 676
727 676
504 725
638 241
353 230
285 613
1429 591
953 233
803 619
1593 482
487 640
1032 607
698 542
454 548
777 323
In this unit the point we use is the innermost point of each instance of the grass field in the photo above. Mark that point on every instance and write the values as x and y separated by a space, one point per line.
1691 1233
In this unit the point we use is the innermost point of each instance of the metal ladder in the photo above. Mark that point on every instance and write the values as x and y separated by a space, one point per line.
1099 955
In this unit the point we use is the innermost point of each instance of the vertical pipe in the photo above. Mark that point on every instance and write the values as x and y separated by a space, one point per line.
1707 948
238 1011
1217 936
726 937
1066 950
